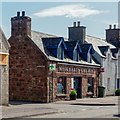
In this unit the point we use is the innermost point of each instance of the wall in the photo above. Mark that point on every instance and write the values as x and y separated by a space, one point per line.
28 71
109 73
4 72
119 63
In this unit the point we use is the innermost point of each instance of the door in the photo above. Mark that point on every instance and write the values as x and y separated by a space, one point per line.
78 86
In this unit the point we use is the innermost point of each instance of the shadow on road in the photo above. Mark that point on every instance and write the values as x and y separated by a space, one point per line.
118 115
24 102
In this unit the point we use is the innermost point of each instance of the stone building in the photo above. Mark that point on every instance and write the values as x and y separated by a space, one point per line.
105 55
45 67
113 37
4 69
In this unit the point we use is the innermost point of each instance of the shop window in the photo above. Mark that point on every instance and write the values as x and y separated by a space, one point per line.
61 85
90 85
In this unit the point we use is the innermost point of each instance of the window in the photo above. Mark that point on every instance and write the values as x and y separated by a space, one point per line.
108 58
0 46
108 84
61 85
75 55
118 83
60 53
89 58
3 59
91 84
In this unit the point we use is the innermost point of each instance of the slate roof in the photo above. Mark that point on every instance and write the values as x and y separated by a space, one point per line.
36 37
3 38
97 42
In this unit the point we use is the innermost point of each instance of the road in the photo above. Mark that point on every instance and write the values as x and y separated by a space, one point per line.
106 107
79 111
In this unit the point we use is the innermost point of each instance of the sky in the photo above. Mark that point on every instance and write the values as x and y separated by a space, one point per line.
55 17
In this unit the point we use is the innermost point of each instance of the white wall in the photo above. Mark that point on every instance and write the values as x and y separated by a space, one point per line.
119 63
108 77
110 73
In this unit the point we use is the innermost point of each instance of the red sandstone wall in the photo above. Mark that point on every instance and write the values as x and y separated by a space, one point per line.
28 71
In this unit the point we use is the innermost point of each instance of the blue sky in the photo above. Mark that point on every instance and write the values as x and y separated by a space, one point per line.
56 17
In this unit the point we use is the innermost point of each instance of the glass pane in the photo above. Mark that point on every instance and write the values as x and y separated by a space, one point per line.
61 85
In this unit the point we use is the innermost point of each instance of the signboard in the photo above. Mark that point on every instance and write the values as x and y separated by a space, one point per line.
75 69
52 67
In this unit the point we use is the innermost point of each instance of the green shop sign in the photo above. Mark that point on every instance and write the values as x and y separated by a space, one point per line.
52 67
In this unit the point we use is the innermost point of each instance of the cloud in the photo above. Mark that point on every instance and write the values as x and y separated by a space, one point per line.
74 10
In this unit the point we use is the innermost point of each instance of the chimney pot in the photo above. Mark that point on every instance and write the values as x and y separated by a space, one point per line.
74 24
110 26
23 13
114 26
18 14
78 23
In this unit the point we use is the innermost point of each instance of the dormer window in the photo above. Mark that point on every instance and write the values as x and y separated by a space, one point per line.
55 46
75 55
60 54
89 57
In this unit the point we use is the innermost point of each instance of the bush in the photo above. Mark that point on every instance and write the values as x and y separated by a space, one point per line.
117 92
73 92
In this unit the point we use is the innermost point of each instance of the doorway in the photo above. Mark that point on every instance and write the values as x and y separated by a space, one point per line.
78 86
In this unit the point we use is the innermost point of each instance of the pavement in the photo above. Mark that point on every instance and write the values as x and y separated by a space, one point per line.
27 109
105 101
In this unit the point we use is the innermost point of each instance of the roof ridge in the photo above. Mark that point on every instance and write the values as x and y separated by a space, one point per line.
43 33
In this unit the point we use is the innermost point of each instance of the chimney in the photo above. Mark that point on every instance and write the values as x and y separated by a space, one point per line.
23 13
74 24
21 25
114 26
77 33
78 23
18 14
110 26
113 35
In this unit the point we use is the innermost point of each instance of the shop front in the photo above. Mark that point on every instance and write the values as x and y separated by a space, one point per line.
82 78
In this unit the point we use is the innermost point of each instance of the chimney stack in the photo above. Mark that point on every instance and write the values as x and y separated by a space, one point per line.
77 33
78 23
110 26
113 35
23 13
74 24
18 14
114 26
21 25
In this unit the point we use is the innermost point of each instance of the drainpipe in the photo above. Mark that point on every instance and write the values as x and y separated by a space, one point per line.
115 73
52 86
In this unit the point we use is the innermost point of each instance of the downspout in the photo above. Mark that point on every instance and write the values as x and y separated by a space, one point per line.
115 73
